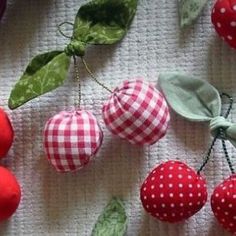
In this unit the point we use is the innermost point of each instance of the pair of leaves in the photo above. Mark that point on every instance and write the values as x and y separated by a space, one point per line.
196 100
189 10
112 221
97 22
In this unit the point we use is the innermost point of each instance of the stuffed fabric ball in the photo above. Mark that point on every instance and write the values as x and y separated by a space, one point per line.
137 112
10 194
71 139
223 204
173 192
224 19
6 134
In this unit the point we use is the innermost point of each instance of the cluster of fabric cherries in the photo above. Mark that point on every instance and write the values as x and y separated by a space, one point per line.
136 111
10 192
173 192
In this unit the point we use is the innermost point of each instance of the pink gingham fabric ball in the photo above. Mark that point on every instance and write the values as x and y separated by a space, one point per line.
71 139
137 112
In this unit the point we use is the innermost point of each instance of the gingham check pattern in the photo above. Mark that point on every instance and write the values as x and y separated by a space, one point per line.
138 112
71 139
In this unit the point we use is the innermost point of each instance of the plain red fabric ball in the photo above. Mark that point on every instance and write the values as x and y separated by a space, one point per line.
10 194
6 133
224 19
173 192
223 204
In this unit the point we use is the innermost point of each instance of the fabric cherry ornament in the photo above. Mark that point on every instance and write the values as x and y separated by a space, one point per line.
6 134
224 19
137 111
223 199
223 204
173 192
71 139
10 194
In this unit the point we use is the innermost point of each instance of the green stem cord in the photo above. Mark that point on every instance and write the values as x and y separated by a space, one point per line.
93 76
77 77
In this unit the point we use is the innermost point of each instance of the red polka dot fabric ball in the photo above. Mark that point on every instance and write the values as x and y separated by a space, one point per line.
10 194
137 112
6 134
71 139
224 19
173 192
223 204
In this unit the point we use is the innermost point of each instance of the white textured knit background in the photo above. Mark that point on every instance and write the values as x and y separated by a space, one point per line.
55 204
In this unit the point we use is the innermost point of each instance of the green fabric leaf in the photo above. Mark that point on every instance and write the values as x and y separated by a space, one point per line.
192 98
45 73
196 100
189 10
104 21
113 220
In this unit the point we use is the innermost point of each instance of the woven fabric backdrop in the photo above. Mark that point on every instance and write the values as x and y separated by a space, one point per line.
57 204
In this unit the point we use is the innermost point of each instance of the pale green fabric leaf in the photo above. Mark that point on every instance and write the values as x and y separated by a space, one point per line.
45 73
189 10
104 21
192 98
113 220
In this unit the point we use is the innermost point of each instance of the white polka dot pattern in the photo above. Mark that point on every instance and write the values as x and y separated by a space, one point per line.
223 204
224 19
173 192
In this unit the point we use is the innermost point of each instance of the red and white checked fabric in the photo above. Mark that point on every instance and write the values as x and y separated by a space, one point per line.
71 139
137 112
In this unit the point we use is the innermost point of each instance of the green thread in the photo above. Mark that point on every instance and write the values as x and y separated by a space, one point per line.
93 76
61 32
77 77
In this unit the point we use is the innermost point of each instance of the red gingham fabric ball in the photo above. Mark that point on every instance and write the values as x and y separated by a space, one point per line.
71 139
224 19
173 192
137 112
223 204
